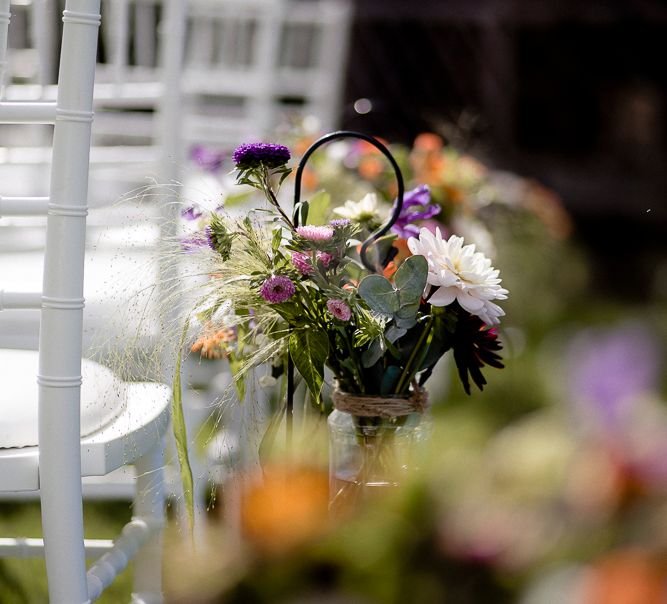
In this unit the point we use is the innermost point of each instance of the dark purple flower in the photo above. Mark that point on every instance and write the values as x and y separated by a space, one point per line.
209 159
277 289
253 155
416 206
191 212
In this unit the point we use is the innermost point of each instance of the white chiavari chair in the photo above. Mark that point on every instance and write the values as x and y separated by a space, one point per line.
53 430
252 65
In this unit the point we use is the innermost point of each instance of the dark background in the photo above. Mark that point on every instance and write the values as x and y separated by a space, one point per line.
571 93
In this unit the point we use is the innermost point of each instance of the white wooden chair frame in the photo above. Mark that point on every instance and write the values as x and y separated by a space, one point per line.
63 457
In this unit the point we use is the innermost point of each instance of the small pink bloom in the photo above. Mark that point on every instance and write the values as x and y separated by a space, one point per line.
339 309
277 289
325 258
302 263
315 233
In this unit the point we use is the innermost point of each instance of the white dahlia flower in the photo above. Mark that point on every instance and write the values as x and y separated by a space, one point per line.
461 274
367 208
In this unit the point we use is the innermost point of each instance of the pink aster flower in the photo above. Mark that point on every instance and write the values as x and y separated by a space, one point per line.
277 289
315 233
325 258
302 263
339 309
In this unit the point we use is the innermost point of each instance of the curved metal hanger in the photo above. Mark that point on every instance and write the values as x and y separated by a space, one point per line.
399 179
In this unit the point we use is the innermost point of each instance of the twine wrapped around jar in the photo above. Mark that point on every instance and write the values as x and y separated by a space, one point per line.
388 405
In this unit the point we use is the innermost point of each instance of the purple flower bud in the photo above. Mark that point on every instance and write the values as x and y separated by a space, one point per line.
253 155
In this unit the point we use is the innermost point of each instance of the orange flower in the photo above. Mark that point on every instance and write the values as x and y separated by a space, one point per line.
211 344
286 508
309 179
626 577
428 141
371 167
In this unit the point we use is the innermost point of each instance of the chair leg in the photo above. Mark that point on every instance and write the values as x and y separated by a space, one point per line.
61 501
149 504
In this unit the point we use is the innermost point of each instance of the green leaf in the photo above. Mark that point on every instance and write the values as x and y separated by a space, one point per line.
180 432
394 333
319 208
389 379
410 279
236 199
304 210
379 294
309 349
373 354
276 239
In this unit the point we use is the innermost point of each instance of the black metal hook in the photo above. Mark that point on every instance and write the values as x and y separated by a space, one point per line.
399 179
364 246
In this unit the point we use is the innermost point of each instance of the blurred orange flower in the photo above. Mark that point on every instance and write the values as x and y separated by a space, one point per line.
285 508
627 577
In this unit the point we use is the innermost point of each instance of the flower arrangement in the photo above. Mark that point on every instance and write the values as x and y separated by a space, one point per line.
304 291
309 292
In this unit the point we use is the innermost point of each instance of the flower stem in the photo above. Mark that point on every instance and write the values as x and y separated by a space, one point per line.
406 376
270 195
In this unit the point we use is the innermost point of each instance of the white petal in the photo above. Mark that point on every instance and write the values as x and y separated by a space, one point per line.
469 303
444 296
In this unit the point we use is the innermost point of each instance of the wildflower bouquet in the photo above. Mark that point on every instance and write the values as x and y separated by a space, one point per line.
378 318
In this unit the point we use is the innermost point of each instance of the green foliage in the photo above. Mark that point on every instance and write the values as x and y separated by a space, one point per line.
399 300
220 237
318 209
309 349
180 432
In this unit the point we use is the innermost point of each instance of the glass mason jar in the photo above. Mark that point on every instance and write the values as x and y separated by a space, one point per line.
372 455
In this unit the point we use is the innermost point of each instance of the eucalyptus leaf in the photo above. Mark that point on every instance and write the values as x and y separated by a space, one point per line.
379 294
394 333
373 353
390 379
309 349
410 279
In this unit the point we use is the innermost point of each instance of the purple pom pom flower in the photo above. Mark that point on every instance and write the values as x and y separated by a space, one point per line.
339 223
302 263
315 233
416 206
325 258
253 155
339 309
277 289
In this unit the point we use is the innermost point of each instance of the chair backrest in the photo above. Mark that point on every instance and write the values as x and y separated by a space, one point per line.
250 64
61 299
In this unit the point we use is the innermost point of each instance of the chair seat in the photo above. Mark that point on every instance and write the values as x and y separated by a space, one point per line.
102 398
120 420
